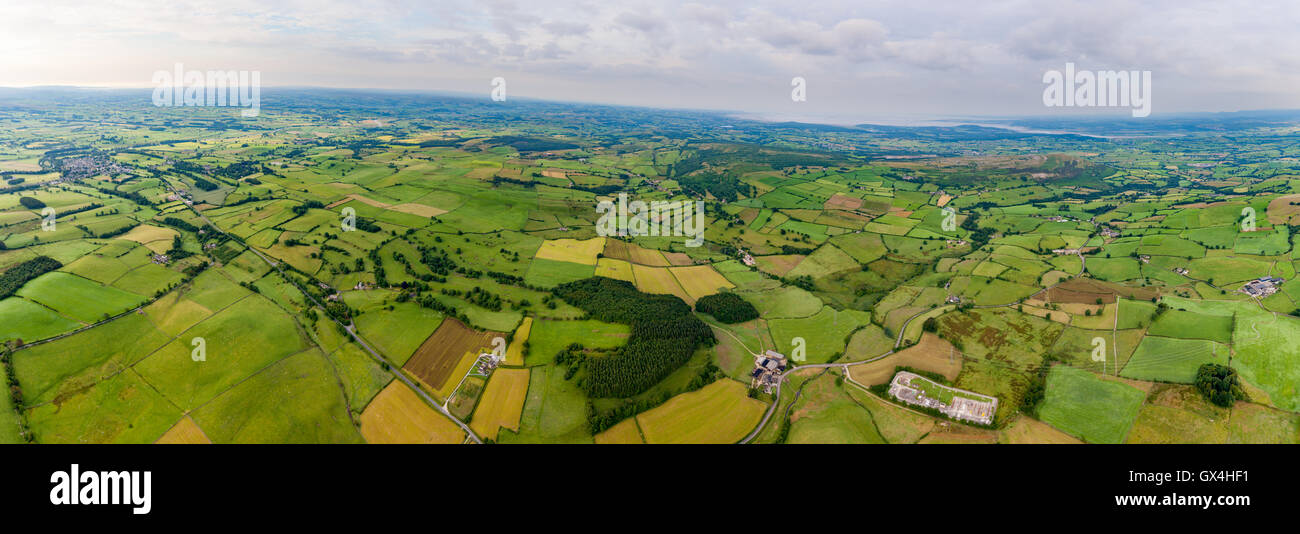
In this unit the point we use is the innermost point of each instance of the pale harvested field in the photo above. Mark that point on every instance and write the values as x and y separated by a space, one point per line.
617 269
721 412
418 209
700 281
778 265
515 352
842 202
932 354
658 280
502 403
678 258
572 250
1281 210
646 256
1029 430
397 415
624 433
442 355
185 431
155 238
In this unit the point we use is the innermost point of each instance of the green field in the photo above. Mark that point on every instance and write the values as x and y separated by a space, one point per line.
77 297
1167 359
22 319
1192 325
1087 407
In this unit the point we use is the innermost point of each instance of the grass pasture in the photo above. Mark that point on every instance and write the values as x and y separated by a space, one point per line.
1165 359
1087 407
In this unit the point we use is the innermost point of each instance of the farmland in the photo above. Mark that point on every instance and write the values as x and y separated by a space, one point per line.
202 282
719 413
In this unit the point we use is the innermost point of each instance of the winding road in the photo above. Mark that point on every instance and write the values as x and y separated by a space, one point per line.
397 371
898 342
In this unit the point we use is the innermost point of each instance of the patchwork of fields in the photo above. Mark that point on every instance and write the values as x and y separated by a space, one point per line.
276 283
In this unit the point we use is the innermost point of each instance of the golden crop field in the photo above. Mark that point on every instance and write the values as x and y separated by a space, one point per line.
515 352
502 403
448 353
721 412
678 258
931 354
397 415
624 433
646 256
185 431
699 281
572 250
660 281
155 238
617 269
1029 430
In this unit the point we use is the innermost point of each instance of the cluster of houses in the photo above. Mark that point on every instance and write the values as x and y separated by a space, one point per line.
768 367
76 168
487 362
1262 287
747 259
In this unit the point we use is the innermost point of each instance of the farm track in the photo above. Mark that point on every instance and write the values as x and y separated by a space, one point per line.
350 329
897 344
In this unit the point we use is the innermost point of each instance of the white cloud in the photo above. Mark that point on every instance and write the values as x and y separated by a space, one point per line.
946 56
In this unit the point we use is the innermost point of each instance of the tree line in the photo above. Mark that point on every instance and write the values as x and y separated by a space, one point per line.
664 335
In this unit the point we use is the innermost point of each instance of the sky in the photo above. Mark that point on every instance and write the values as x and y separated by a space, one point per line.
860 59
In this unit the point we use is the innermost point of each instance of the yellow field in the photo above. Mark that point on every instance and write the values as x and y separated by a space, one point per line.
502 403
1028 430
932 354
572 250
722 412
624 433
418 209
185 431
699 281
466 362
658 280
617 269
397 415
156 238
515 352
646 256
1283 210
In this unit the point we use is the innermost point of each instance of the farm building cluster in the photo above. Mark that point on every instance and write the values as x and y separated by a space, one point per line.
768 367
1262 287
964 406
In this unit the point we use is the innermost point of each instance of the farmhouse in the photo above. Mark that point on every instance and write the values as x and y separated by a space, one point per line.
487 362
1262 287
767 370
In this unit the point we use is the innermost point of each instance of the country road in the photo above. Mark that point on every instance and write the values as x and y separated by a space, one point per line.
897 343
397 371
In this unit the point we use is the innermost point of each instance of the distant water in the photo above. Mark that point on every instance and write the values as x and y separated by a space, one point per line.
905 121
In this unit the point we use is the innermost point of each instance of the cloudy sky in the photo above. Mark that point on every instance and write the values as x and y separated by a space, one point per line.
861 58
